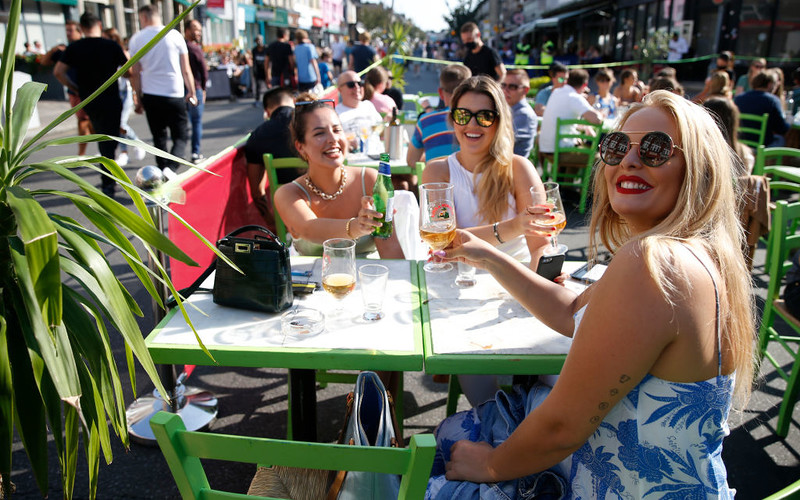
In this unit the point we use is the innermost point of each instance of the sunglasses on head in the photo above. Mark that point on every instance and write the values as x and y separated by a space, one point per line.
655 148
483 117
351 85
320 101
511 86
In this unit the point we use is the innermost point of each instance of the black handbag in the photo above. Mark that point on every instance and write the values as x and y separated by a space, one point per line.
265 283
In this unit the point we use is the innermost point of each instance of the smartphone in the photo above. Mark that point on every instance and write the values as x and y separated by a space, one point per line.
550 266
587 275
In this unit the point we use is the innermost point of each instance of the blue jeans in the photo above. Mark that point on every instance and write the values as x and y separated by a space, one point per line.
196 119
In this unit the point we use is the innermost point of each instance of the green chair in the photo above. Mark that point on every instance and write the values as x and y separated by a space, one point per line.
783 239
183 451
791 491
750 125
572 166
272 165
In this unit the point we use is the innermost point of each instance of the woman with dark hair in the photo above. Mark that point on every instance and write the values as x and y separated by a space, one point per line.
628 91
727 115
641 406
330 200
377 80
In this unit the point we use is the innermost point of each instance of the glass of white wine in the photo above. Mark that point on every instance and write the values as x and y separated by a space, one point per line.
550 197
339 268
437 225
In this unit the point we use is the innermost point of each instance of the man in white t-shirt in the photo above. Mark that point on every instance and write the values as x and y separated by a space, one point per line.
164 83
357 116
337 48
566 102
677 47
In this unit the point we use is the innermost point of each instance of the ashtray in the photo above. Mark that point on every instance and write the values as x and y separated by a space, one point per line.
302 323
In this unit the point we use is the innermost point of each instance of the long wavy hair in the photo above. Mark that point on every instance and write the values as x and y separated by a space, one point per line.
705 214
497 180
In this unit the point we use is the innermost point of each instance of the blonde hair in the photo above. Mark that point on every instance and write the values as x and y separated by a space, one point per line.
720 84
497 167
705 214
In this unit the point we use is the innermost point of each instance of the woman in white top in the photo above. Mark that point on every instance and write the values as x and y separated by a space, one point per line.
492 186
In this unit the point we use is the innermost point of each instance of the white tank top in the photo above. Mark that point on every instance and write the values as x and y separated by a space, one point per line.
466 201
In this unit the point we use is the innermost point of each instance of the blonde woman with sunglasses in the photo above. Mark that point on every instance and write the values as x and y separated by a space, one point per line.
492 186
662 343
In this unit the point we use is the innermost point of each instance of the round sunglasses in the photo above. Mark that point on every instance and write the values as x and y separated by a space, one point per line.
483 117
655 148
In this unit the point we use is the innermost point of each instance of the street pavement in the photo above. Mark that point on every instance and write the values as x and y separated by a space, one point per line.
253 401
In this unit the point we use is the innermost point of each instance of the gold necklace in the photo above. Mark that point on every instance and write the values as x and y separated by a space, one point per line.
326 196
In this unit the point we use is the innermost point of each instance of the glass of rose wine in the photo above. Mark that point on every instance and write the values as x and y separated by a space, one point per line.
339 268
550 197
437 225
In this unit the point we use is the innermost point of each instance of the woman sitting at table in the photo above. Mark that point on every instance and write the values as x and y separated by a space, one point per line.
330 200
661 343
492 186
376 81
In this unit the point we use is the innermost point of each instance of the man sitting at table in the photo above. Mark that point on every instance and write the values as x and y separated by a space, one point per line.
357 116
272 137
566 102
516 85
433 134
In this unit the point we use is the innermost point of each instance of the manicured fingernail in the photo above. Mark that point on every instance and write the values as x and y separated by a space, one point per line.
440 253
552 216
552 228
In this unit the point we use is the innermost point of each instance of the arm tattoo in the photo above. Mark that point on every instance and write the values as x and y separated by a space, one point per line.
603 406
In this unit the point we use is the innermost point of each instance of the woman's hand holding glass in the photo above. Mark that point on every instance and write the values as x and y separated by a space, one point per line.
467 248
548 211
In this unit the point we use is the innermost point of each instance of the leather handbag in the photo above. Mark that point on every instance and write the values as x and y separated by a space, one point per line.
370 421
265 283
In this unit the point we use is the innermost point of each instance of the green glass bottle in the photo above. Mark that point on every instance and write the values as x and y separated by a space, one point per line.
383 197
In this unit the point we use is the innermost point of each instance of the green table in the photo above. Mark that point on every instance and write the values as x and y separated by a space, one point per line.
237 337
484 330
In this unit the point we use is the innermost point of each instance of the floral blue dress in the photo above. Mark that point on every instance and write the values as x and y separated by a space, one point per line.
663 441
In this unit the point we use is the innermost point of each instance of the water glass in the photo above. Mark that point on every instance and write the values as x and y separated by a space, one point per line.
373 279
466 275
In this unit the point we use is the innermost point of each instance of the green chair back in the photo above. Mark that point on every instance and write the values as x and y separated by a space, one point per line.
183 451
572 166
783 239
753 125
272 165
791 491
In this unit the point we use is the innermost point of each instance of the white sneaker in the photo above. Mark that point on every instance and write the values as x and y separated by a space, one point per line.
122 159
140 154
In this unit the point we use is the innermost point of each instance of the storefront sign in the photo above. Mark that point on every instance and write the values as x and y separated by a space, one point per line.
215 4
316 22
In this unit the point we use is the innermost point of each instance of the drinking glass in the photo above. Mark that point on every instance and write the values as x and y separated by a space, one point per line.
437 225
373 279
551 198
339 268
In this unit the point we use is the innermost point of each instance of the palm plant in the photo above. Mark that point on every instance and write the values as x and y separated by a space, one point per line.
57 369
398 43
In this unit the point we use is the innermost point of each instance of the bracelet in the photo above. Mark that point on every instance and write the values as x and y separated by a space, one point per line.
496 234
347 227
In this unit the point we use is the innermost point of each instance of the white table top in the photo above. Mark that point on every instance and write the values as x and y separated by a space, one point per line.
487 320
220 326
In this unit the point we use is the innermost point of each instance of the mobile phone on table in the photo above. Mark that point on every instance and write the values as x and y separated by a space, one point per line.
587 275
550 266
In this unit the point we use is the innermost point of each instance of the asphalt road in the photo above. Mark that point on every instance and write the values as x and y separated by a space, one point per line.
253 401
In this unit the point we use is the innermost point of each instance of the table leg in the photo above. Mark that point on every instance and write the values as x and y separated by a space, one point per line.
303 404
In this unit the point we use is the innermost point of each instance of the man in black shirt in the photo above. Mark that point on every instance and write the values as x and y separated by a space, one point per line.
95 60
481 59
259 71
362 55
273 136
279 62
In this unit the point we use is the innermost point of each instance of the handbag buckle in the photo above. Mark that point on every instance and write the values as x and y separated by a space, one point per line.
241 247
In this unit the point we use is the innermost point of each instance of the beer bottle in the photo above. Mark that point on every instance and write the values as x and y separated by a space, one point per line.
383 197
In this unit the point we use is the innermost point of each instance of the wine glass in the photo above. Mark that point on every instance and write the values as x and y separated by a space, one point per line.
551 198
437 220
339 268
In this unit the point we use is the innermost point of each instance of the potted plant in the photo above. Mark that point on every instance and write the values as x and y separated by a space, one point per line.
57 370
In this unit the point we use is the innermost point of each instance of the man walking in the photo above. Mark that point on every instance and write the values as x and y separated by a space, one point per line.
279 63
480 59
259 72
163 81
193 34
95 60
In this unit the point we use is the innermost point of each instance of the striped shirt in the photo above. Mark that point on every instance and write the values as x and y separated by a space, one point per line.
434 134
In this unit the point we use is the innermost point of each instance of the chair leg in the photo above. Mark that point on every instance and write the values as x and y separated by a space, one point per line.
765 332
789 400
453 392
